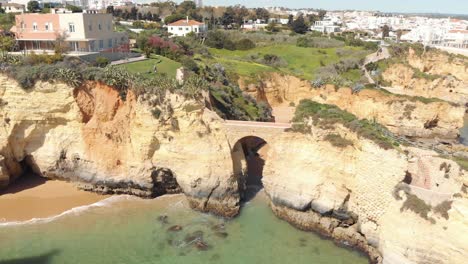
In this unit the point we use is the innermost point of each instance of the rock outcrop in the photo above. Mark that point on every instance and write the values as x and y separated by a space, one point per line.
403 115
401 205
360 195
446 77
91 136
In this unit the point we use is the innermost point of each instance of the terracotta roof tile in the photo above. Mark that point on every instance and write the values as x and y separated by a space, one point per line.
183 22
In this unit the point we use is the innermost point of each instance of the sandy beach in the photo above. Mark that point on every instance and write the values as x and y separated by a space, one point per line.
34 197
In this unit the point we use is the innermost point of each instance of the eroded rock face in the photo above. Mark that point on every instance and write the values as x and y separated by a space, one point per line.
91 136
401 115
451 84
350 194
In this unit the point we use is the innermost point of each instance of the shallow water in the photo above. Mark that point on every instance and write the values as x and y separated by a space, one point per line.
129 230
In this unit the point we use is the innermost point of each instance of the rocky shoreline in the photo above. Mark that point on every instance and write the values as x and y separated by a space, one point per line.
340 186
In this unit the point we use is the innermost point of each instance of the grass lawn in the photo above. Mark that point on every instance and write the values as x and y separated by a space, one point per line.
163 65
302 62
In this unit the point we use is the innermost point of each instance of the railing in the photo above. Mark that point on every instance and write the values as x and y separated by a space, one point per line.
258 124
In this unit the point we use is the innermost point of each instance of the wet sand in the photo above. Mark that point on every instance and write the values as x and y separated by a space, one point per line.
34 197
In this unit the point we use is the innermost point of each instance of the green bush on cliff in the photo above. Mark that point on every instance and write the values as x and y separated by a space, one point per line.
338 141
418 206
326 116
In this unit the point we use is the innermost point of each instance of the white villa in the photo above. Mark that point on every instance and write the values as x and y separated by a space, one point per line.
184 26
326 26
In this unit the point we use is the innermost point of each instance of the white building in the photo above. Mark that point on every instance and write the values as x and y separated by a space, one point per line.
326 26
185 26
13 8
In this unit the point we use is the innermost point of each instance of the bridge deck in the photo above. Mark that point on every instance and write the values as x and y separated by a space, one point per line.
257 124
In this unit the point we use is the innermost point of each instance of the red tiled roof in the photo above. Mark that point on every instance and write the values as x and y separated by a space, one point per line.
183 22
458 31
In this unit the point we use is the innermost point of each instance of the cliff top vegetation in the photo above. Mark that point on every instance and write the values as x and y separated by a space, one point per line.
326 116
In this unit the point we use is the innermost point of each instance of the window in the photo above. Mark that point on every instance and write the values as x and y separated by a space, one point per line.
71 27
46 26
101 44
23 25
187 28
91 45
172 28
109 26
195 29
180 28
99 26
109 43
35 26
90 27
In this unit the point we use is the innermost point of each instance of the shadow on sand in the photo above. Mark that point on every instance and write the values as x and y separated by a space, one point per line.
41 259
24 182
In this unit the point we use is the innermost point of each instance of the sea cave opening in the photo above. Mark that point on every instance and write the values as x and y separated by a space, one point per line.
248 156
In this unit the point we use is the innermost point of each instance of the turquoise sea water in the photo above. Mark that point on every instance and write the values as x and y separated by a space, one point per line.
130 230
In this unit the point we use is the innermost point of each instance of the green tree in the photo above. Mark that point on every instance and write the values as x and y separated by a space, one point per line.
6 44
185 7
262 13
110 10
74 9
385 31
60 45
272 27
241 12
290 20
33 6
228 17
299 26
173 18
321 14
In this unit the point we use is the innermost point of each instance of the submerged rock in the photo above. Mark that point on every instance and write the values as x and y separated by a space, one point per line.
222 234
202 245
175 228
163 219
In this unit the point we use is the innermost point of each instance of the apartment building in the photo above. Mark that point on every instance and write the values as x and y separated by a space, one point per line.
89 31
13 8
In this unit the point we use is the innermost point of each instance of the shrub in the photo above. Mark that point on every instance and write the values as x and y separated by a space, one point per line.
317 83
318 42
326 116
418 206
245 44
190 64
338 141
101 61
273 60
443 208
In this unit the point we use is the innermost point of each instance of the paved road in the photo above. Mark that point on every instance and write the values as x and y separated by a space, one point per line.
258 124
374 57
124 61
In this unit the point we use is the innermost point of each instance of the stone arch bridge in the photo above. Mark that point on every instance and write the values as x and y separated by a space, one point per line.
236 130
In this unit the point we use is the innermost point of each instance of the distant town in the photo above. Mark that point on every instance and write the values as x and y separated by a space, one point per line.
96 26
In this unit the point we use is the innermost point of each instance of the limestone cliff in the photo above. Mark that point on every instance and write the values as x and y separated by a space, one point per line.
386 202
360 194
91 136
402 115
441 76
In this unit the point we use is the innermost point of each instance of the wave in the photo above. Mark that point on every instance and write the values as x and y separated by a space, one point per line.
74 211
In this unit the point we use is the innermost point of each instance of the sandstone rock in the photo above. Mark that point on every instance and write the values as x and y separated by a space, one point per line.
401 115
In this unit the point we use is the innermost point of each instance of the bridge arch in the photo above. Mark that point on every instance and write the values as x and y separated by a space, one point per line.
248 159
